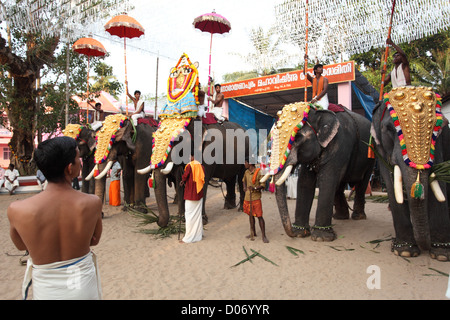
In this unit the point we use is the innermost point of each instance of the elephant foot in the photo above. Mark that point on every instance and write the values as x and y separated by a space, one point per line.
405 249
323 234
440 251
359 216
229 205
301 232
339 215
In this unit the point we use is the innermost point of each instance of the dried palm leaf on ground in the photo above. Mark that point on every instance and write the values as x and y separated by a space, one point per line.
294 251
173 227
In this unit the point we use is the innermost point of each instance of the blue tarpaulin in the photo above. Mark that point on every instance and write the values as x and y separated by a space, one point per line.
252 120
365 100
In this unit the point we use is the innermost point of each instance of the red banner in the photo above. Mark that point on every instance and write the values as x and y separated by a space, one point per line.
335 73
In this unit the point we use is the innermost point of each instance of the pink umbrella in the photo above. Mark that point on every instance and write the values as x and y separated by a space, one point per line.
212 23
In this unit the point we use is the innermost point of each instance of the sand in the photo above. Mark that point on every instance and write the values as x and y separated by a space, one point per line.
139 266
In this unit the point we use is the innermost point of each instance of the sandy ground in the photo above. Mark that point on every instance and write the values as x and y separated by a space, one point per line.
134 265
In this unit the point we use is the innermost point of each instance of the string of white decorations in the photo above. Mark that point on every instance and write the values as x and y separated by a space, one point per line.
354 26
68 19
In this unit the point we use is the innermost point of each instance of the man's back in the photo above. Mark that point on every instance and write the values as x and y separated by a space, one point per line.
57 224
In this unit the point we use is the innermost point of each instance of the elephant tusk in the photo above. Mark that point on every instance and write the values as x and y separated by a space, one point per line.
285 175
167 169
398 185
436 188
265 178
89 177
105 171
145 170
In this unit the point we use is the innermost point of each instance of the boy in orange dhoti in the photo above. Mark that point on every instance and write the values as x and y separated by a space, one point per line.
252 200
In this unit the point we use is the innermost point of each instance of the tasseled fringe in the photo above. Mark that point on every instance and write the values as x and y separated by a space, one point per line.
417 189
272 185
151 181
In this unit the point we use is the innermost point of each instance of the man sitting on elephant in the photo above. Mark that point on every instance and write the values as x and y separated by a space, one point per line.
400 76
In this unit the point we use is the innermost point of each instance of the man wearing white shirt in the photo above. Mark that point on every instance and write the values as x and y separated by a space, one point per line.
11 179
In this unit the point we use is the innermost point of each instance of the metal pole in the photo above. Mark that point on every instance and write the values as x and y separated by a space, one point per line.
306 53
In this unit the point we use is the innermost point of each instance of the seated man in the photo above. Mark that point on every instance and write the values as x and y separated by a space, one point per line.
218 102
11 179
57 227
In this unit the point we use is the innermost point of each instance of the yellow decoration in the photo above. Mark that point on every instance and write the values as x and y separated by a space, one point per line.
106 135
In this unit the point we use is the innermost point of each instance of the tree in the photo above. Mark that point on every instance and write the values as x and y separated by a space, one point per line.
106 81
19 90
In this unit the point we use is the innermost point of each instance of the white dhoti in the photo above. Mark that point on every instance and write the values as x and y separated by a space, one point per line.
323 102
9 186
75 279
218 113
291 186
194 223
135 117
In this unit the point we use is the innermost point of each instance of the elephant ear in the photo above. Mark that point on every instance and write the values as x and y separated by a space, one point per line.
107 135
327 128
416 112
127 134
290 119
168 130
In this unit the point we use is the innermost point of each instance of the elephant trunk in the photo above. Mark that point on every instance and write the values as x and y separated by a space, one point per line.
100 186
418 208
161 198
105 171
280 195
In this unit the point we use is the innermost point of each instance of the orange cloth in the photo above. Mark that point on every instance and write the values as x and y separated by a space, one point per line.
256 208
114 193
317 86
197 174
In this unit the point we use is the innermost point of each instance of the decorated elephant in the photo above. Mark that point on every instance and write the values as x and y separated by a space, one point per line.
412 138
85 137
120 140
170 154
331 149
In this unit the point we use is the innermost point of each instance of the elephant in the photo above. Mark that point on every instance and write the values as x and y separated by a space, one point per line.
412 137
219 167
86 142
330 147
131 146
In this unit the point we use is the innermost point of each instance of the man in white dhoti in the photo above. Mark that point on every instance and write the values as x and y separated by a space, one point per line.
138 106
400 75
217 110
319 86
57 227
193 180
11 179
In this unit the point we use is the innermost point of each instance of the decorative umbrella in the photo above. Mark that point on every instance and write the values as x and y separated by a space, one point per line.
124 27
90 48
212 23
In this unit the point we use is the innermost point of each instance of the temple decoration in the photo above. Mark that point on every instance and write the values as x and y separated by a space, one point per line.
73 130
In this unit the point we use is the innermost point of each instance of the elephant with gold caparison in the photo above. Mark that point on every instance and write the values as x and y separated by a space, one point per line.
412 137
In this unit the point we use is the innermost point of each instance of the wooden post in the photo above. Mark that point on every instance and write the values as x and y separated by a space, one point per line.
386 53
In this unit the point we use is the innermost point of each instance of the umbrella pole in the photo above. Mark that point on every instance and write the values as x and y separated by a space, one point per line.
386 53
306 53
209 75
126 80
87 92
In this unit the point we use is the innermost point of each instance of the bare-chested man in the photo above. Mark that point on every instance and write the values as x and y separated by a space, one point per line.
57 228
400 76
138 106
218 103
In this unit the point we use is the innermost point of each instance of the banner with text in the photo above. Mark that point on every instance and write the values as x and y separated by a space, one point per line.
335 73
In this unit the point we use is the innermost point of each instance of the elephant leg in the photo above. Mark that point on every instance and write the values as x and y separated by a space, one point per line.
340 204
241 191
230 198
403 244
140 191
322 230
306 188
439 228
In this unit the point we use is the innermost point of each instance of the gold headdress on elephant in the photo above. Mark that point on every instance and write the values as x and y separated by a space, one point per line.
290 119
181 107
72 130
416 112
105 138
